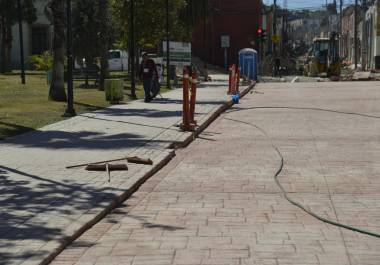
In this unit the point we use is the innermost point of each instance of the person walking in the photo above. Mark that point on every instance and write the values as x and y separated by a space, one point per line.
148 75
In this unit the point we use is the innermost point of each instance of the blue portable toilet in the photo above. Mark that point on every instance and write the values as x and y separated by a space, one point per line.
248 63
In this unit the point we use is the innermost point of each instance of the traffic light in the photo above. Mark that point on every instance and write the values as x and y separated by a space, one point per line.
262 34
259 31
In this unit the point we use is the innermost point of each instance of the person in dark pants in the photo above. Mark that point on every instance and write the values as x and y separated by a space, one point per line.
148 74
278 67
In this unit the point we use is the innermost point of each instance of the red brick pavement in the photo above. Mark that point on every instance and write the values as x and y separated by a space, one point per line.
217 202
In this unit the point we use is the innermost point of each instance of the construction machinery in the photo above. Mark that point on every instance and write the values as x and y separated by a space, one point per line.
323 58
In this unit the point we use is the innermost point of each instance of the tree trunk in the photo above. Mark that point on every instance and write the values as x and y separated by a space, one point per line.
2 46
104 34
6 47
57 87
104 72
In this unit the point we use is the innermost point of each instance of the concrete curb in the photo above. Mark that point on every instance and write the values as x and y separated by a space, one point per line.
212 116
81 227
220 110
119 199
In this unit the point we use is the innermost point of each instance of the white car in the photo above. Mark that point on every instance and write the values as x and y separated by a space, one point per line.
117 60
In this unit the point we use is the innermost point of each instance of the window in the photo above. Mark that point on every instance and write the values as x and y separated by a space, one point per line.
114 55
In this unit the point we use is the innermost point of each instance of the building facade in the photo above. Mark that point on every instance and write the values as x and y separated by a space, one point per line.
305 29
347 40
368 36
37 36
231 23
372 36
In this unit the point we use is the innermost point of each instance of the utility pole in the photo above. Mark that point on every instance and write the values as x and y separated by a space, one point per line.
340 27
70 112
205 38
284 33
132 48
22 64
328 18
167 46
274 27
356 34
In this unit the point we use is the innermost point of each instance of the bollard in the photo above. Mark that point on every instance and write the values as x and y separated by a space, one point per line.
186 126
193 97
229 80
232 79
237 81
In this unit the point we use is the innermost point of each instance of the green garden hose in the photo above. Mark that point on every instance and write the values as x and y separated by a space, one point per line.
281 165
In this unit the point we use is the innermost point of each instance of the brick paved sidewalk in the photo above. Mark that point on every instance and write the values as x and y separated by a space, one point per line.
216 202
42 204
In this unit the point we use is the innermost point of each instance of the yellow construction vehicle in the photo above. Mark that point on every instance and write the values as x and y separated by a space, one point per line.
323 58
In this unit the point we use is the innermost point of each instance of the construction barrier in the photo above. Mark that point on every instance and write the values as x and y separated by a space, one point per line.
234 80
231 80
189 100
193 97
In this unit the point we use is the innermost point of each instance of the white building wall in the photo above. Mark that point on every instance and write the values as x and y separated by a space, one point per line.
373 32
42 22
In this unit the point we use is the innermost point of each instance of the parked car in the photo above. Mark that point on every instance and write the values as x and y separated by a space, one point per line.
118 60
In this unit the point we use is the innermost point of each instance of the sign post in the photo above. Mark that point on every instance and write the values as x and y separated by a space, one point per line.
225 43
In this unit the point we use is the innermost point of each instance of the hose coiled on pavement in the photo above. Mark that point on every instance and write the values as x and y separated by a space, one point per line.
285 193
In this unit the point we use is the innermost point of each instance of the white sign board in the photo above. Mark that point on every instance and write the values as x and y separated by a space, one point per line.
225 41
180 53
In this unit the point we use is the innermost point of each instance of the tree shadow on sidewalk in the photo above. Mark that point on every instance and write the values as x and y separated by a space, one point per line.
83 140
180 101
28 202
146 112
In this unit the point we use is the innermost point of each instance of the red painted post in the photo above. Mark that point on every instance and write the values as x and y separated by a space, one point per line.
193 97
231 79
185 107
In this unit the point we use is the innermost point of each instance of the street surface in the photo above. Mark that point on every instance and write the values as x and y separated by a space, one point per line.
217 201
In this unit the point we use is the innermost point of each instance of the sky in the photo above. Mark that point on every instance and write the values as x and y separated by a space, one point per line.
299 4
307 4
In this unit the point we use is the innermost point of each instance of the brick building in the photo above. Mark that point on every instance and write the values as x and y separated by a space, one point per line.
238 20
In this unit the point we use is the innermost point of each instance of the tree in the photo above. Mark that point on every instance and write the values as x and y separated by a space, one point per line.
8 17
195 10
56 12
93 25
150 18
105 37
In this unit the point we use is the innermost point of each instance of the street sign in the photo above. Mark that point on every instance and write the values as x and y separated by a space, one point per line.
180 53
276 38
225 41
